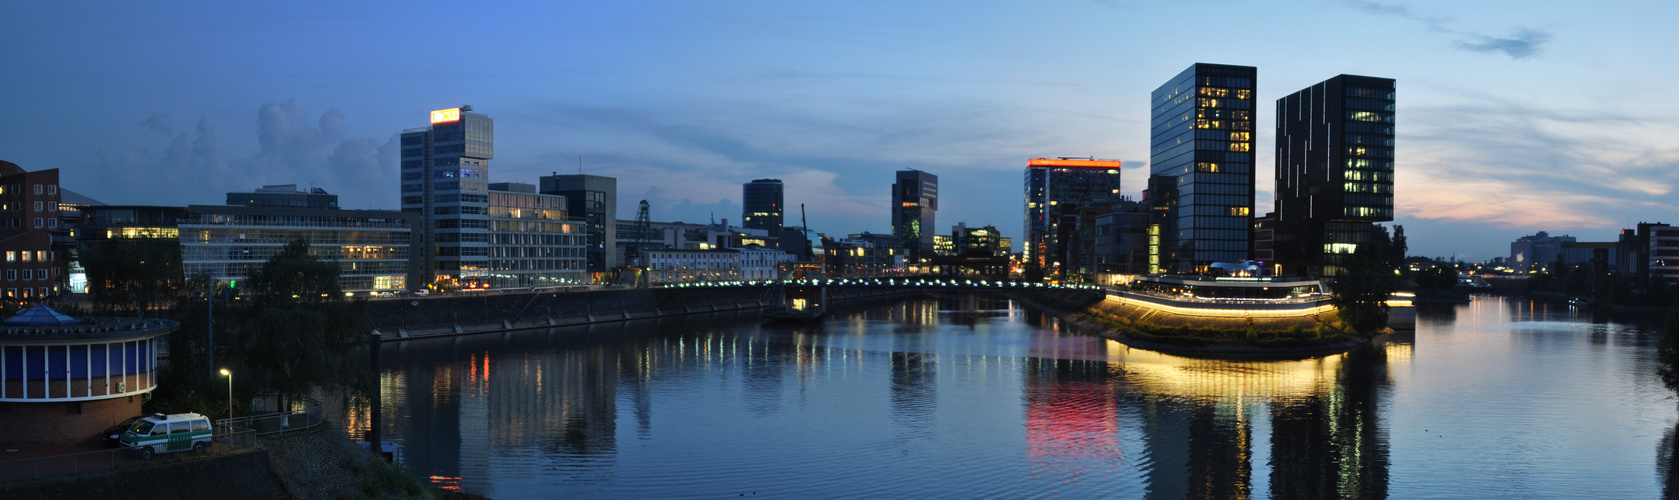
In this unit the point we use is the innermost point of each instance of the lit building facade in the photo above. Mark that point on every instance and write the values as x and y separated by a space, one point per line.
594 200
915 197
371 247
532 241
445 181
1334 172
1054 189
29 223
751 263
762 205
1201 148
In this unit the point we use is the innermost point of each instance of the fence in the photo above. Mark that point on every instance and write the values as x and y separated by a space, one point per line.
278 415
226 441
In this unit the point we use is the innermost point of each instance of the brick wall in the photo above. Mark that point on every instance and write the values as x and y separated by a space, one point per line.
52 422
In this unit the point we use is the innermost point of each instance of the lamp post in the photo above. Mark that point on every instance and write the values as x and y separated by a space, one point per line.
229 376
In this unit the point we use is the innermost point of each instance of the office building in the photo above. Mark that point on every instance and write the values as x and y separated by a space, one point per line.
1121 239
762 205
28 226
1334 172
533 243
1056 189
284 195
915 196
445 180
1201 148
227 243
594 200
1651 250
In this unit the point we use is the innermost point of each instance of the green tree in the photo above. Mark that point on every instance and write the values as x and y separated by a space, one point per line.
133 275
298 331
1371 276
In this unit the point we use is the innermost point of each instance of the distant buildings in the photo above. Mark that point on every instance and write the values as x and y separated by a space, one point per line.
679 265
1334 172
915 197
1201 152
762 205
594 199
1056 189
1651 249
1537 251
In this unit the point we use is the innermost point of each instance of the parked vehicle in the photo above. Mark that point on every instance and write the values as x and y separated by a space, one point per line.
113 434
422 292
161 433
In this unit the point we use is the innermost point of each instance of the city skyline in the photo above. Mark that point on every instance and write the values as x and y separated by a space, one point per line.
154 105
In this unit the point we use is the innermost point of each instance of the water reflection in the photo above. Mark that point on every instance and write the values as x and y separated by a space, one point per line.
958 397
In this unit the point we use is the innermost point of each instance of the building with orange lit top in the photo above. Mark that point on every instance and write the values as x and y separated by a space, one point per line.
1056 188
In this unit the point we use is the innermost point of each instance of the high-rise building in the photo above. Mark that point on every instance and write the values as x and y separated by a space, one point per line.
593 199
1334 171
1056 188
915 196
1202 149
445 178
761 205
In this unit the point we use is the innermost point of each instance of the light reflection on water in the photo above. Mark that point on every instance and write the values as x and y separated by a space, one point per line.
973 397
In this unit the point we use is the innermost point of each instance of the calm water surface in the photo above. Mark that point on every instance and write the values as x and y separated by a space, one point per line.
964 397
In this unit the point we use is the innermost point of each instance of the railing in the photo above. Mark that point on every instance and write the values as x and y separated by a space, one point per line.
226 440
299 414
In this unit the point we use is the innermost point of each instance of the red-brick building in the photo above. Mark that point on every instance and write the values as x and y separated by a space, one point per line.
30 267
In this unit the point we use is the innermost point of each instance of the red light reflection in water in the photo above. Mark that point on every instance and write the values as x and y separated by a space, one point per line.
451 483
1071 431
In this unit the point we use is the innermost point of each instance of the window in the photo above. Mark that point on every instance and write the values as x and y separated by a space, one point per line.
39 222
26 254
41 255
11 256
38 205
28 275
52 189
37 189
52 222
11 275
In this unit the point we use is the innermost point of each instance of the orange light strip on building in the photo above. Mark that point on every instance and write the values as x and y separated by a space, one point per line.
1044 162
446 115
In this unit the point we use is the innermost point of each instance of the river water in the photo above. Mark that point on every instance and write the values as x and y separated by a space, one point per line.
970 397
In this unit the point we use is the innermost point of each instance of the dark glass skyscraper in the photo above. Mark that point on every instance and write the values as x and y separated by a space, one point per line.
1202 152
594 199
445 178
1334 171
915 196
761 205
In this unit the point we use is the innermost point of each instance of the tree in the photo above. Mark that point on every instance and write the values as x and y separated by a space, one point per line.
1370 277
298 331
133 274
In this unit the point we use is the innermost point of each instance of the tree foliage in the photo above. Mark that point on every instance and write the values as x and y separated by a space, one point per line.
1370 277
297 331
133 275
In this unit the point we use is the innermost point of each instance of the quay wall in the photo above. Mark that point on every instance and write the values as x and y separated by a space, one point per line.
422 317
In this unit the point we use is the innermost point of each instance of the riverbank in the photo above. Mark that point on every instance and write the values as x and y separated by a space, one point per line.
1308 334
430 317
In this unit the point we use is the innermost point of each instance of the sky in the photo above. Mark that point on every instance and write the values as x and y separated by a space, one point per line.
1512 117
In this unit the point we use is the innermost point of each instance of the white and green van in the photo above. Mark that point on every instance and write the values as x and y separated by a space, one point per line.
161 433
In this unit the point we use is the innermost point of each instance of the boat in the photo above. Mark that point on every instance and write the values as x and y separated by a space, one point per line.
797 303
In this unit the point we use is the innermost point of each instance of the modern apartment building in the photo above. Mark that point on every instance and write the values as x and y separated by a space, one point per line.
1334 172
29 222
1202 148
532 241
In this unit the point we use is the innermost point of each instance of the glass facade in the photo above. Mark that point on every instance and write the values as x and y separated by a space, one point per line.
915 198
1202 148
445 179
594 200
761 205
226 242
1334 171
532 241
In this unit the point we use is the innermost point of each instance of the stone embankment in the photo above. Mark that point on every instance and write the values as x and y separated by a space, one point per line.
422 317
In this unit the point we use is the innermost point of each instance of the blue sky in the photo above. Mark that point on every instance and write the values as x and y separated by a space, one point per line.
1513 117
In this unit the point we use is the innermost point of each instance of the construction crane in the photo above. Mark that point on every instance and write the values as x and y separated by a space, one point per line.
636 253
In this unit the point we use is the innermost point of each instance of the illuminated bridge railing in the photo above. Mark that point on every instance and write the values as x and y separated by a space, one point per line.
900 283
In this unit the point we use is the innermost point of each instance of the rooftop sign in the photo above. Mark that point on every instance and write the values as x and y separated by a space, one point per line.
446 115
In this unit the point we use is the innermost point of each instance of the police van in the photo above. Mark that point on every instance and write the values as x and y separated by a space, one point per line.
161 433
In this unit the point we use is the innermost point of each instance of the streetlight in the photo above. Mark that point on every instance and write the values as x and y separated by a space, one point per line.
229 376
